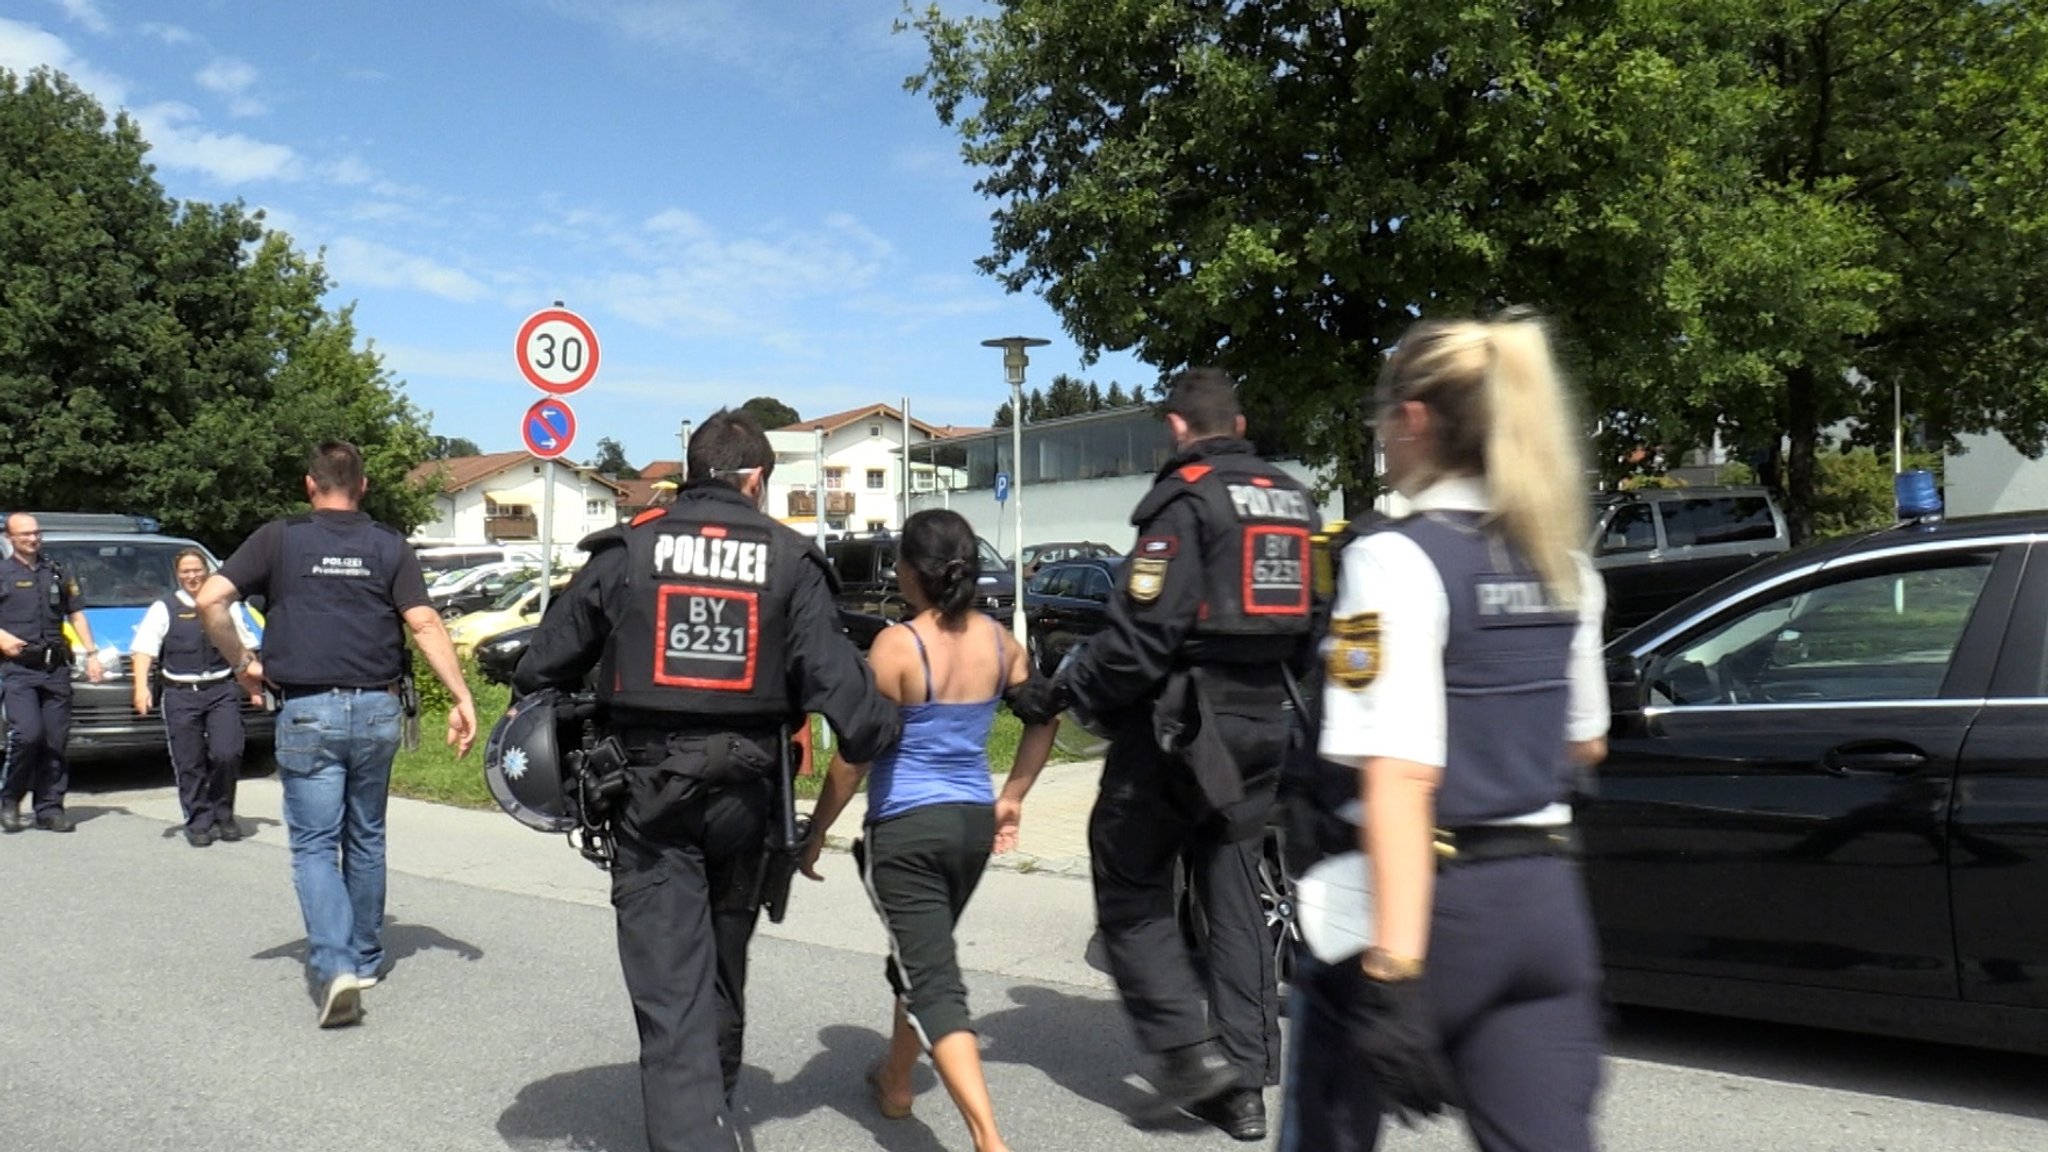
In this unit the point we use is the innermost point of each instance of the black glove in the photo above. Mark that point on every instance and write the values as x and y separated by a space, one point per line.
1396 1037
1040 699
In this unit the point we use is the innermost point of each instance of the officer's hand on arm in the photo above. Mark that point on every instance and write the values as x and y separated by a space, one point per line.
432 637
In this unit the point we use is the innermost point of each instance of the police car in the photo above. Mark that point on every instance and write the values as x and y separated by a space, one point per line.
1825 799
122 564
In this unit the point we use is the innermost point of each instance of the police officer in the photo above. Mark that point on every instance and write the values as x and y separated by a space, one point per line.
343 591
202 704
713 631
1463 682
36 598
1190 671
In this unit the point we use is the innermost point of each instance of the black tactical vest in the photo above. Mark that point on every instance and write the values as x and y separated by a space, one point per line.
187 652
332 621
1506 656
32 599
1255 553
705 631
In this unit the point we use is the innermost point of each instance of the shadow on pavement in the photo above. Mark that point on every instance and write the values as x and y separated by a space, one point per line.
2005 1082
401 940
592 1109
836 1078
83 814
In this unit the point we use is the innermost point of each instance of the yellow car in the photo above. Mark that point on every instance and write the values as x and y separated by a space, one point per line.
517 606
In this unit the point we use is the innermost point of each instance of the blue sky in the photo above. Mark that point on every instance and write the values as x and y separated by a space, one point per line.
738 194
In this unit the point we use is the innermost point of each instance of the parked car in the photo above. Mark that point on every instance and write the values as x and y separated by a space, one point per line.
1065 604
457 557
1656 546
1037 556
123 565
520 605
866 567
467 590
1825 799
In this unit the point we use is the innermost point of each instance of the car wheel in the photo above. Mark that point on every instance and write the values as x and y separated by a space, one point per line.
1275 891
450 612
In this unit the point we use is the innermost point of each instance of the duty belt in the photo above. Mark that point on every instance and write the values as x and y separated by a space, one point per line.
1479 843
43 657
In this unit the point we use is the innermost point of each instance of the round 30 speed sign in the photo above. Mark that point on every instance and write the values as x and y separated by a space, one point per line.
557 351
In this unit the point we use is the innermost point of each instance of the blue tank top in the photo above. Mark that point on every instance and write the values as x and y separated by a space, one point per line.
942 757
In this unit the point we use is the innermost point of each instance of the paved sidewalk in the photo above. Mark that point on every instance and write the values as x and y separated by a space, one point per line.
1054 836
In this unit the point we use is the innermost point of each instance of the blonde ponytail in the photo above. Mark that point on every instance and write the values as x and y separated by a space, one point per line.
1534 471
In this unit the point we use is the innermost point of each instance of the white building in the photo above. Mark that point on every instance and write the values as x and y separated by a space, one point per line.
1082 477
862 454
1990 475
497 498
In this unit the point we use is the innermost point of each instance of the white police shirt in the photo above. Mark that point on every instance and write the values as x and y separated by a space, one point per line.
156 623
1399 713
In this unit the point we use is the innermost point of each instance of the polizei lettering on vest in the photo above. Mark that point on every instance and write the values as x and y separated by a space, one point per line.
1514 598
342 566
711 558
1255 503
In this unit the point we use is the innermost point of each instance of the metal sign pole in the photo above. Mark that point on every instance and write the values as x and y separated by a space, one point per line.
547 535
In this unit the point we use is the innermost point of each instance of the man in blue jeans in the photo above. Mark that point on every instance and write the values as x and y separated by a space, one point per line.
339 585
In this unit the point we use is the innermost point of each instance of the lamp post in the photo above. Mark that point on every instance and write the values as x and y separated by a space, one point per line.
1014 359
683 465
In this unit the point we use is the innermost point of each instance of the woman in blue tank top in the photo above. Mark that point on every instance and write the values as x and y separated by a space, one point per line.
933 816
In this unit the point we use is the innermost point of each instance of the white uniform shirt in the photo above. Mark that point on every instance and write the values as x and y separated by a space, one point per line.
1400 714
149 635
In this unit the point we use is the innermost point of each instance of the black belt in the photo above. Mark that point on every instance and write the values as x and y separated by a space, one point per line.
43 657
295 691
1480 843
196 685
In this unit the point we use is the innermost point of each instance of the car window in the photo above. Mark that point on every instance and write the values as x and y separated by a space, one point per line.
118 575
1717 520
511 598
1862 637
991 560
1059 582
1040 582
1631 529
1094 584
855 563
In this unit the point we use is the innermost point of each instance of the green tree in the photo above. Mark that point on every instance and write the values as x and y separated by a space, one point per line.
166 358
451 447
611 460
772 413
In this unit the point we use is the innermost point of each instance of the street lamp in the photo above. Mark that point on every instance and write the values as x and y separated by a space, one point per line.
1014 360
683 465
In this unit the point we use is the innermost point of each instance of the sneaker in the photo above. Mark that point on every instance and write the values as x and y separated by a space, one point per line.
369 981
342 1004
1193 1073
227 830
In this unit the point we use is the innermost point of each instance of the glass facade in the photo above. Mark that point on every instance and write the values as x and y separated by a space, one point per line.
1129 442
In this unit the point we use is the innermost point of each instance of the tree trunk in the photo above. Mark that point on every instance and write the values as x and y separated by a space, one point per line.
1802 429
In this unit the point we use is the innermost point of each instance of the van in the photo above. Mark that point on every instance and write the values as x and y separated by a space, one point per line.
1657 546
454 557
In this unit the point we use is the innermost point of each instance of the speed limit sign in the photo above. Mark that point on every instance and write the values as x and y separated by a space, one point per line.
557 351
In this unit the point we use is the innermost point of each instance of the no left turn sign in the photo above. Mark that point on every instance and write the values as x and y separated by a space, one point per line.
557 351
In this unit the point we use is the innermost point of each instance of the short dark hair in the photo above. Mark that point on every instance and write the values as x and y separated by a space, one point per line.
944 558
336 466
1207 399
727 444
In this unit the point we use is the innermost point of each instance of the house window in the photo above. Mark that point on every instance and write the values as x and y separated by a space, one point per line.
878 479
921 481
597 507
874 430
835 478
878 525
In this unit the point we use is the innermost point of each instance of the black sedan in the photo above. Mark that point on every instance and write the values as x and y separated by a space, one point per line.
1064 604
1826 798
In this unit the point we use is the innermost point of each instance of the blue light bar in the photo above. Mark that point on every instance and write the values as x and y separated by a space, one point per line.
1917 497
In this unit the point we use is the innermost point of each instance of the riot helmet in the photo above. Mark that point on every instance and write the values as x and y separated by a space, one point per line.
524 761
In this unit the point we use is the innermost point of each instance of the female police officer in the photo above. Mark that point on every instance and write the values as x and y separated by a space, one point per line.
1464 682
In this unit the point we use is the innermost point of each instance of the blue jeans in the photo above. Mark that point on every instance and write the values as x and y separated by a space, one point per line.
334 753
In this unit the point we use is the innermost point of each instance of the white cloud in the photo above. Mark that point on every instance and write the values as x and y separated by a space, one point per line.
25 47
170 34
353 261
86 13
231 78
784 50
176 141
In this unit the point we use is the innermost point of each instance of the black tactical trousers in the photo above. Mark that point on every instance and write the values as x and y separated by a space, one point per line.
38 706
203 723
685 898
1148 818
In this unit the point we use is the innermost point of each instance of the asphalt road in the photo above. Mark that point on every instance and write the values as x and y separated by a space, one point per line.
151 998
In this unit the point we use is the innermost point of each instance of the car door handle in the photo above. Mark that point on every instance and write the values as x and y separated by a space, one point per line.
1874 756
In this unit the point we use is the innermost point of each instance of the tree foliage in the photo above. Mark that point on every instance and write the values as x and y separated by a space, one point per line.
1065 396
173 359
772 413
611 460
451 447
1740 215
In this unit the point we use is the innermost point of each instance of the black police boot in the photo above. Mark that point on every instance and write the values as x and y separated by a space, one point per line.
11 819
227 830
56 822
1241 1112
1193 1073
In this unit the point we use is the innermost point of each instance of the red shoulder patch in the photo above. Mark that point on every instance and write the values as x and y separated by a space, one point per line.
649 514
1193 472
715 531
1261 482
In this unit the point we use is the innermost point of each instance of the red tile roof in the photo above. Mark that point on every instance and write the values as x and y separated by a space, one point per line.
661 469
459 472
838 420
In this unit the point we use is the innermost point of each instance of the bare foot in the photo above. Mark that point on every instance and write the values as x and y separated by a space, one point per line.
893 1100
